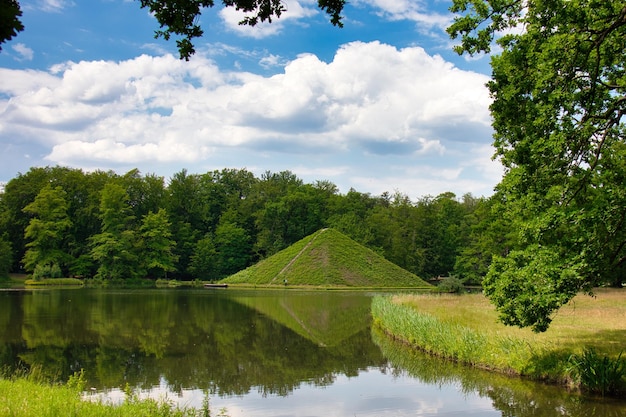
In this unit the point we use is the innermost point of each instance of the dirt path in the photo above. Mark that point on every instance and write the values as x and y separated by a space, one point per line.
295 258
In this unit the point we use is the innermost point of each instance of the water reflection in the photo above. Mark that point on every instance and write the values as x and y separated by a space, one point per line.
256 353
512 396
192 339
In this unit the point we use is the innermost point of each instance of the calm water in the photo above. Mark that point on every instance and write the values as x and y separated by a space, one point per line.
264 353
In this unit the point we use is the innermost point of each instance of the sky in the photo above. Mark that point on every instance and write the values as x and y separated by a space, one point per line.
380 105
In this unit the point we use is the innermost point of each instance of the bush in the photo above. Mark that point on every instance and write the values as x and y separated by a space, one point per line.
450 285
598 374
47 271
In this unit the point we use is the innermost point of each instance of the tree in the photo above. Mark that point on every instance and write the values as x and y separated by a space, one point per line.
46 230
18 193
348 215
485 234
204 259
10 22
114 249
186 214
232 244
180 17
157 244
559 100
6 257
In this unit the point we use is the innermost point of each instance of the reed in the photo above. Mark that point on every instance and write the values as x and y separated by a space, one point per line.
450 340
598 373
582 348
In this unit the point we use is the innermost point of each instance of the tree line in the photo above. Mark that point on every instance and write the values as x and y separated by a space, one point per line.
59 221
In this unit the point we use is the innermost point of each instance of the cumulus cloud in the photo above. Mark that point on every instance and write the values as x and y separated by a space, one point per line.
365 117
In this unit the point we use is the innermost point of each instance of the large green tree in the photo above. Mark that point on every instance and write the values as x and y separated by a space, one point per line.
46 231
559 100
6 257
10 22
157 245
233 248
115 248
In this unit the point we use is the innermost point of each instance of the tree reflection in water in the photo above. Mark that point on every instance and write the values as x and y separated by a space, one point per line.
271 346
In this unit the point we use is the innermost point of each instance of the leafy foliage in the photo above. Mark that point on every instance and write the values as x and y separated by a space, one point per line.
559 88
10 22
599 374
6 255
180 17
46 231
157 244
46 271
114 247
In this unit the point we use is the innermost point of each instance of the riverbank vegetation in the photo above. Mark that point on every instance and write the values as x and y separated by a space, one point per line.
29 396
582 349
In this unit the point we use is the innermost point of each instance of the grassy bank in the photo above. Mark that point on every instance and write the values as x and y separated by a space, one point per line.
54 282
27 397
586 337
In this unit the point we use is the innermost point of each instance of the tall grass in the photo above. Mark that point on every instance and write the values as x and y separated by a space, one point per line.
599 373
449 340
30 396
581 348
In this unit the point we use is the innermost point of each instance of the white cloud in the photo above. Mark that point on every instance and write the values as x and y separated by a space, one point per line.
415 11
294 10
25 53
368 118
54 6
271 61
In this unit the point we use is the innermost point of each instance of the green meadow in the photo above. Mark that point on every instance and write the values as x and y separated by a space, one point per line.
582 349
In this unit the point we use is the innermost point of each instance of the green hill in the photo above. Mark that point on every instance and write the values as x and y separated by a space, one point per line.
327 258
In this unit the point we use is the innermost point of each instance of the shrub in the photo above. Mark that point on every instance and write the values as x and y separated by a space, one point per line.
598 374
47 271
450 285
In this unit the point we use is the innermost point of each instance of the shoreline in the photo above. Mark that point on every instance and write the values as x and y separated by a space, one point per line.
491 346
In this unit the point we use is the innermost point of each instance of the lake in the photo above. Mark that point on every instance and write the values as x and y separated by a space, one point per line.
256 353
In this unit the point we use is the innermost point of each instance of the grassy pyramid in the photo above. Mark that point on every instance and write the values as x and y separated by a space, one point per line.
327 258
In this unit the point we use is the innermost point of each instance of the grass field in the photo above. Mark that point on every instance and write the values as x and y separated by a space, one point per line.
466 329
27 397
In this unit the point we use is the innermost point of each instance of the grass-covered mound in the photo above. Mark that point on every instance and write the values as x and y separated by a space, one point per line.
327 258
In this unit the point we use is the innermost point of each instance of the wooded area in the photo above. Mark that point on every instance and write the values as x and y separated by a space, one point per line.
59 221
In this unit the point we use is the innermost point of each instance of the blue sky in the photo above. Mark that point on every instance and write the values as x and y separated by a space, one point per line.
382 104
